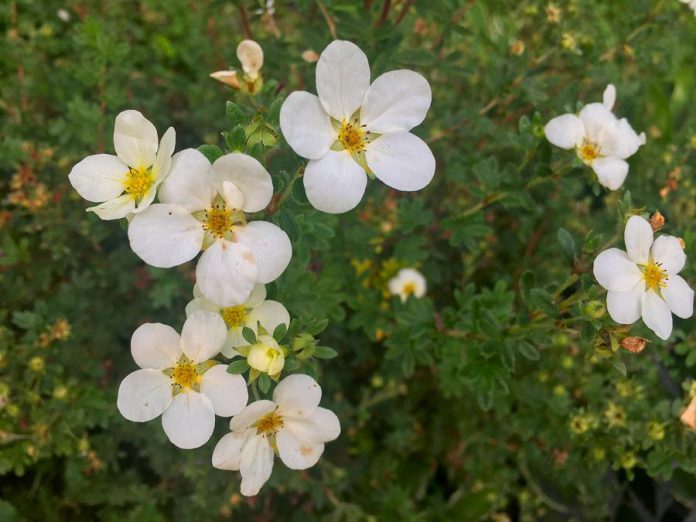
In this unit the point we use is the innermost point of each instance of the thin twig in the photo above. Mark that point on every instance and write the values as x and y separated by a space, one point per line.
404 11
245 22
384 13
329 21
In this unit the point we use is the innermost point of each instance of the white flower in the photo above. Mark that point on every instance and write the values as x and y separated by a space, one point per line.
126 183
644 281
292 424
178 380
206 208
254 312
353 127
690 3
599 138
406 283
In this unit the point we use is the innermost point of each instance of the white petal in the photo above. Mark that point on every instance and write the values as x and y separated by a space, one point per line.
396 101
189 182
258 296
609 97
270 314
248 175
115 209
321 426
163 159
135 139
165 235
611 172
619 140
667 251
226 273
202 304
227 392
250 55
232 195
566 131
297 395
638 236
189 421
343 77
202 336
334 183
147 199
679 296
155 345
234 340
270 247
615 271
228 451
144 395
625 307
251 414
657 315
99 178
297 453
306 125
401 160
255 465
595 118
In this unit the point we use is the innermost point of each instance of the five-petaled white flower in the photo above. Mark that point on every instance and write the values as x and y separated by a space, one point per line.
407 282
292 424
643 281
126 183
599 138
353 127
254 312
178 380
206 208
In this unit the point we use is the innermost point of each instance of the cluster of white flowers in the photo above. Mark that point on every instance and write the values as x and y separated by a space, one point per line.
351 131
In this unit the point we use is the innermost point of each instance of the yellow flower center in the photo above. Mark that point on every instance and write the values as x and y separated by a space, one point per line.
219 220
138 182
234 315
352 136
409 289
269 424
185 375
588 151
654 276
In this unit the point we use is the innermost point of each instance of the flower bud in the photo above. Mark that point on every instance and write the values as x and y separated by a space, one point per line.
36 364
310 56
226 77
634 344
688 416
266 356
595 309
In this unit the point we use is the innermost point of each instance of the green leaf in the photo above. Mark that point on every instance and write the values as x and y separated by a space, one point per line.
544 301
324 352
264 383
567 244
291 365
237 367
280 332
528 350
527 281
287 223
249 335
235 114
317 326
485 400
273 116
235 139
212 152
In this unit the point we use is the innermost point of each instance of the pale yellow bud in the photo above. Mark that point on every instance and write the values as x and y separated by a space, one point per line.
226 77
250 56
266 356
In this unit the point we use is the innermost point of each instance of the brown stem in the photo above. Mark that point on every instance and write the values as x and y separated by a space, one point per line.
384 13
245 22
404 11
329 21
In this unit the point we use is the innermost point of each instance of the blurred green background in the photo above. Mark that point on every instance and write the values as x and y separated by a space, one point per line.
496 397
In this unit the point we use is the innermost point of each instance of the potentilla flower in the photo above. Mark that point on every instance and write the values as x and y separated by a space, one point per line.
353 128
406 283
126 183
599 138
643 281
179 381
207 208
255 313
265 355
250 55
293 425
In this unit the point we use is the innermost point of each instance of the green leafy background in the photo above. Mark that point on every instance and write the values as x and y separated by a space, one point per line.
503 393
